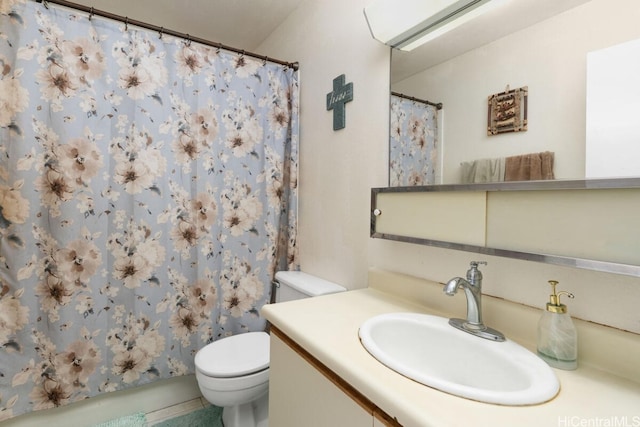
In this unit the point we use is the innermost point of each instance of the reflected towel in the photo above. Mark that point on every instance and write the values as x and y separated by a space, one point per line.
529 167
483 170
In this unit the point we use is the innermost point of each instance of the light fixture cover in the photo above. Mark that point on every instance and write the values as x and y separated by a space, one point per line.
405 24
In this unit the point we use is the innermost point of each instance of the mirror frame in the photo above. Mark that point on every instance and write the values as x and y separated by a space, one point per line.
566 261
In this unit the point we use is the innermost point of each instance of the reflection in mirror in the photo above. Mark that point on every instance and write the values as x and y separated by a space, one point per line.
613 104
549 56
413 143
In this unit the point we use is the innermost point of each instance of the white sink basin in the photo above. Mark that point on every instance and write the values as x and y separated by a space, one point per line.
428 350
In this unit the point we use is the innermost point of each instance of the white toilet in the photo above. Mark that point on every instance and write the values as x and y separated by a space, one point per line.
233 372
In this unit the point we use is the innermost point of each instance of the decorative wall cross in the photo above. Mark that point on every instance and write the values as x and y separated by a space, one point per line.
337 99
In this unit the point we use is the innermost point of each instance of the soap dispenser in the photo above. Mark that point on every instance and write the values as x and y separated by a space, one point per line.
557 337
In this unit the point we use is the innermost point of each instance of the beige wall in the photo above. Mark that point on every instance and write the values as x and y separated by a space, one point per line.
338 169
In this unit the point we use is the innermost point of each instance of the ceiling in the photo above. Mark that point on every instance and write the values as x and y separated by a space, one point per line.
242 24
514 15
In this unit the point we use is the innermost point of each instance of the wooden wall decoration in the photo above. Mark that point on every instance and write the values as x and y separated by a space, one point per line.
507 111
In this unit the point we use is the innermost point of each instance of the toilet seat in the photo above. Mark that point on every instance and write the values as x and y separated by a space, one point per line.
234 356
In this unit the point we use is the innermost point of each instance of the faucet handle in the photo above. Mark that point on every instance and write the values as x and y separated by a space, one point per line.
474 276
474 264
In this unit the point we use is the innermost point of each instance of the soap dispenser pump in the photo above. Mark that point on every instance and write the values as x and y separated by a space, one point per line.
557 337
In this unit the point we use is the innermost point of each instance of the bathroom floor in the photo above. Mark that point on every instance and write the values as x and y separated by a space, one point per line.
160 417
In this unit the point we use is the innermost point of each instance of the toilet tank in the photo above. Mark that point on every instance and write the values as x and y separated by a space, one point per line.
293 285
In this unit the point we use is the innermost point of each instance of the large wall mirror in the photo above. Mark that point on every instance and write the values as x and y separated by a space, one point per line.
579 61
583 94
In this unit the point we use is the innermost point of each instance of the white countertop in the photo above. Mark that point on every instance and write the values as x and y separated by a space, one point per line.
327 327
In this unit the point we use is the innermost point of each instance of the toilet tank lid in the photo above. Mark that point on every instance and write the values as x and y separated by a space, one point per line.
308 284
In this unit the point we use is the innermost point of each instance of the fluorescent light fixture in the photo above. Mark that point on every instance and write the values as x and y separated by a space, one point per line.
407 24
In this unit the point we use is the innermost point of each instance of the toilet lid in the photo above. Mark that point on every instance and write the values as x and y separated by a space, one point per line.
234 356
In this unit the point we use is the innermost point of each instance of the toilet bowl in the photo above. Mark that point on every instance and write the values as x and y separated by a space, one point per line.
233 372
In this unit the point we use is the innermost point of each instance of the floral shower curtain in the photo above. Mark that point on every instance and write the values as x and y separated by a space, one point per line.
147 196
413 144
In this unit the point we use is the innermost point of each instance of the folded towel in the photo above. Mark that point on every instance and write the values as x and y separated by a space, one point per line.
529 167
483 170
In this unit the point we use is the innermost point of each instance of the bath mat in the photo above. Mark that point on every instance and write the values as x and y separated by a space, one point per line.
135 420
206 417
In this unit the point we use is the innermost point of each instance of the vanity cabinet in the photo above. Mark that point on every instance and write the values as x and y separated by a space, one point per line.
304 392
589 224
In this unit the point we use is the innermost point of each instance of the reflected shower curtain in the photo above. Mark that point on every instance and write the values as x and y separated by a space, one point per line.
147 196
413 144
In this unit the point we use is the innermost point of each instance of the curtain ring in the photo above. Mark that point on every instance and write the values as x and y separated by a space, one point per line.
91 13
160 33
265 59
126 23
188 42
45 3
242 54
219 47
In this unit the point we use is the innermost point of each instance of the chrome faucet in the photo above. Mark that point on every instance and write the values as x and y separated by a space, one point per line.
473 290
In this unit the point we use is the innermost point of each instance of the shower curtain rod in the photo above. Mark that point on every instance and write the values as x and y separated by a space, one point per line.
411 98
161 30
